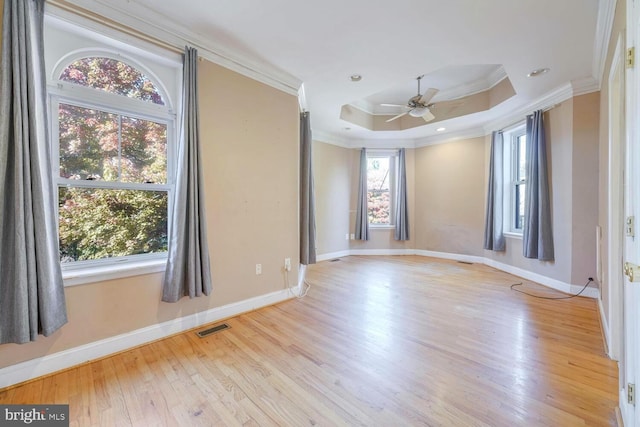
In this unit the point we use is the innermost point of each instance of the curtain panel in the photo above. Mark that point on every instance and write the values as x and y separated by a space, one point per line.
188 271
362 219
401 231
537 236
32 298
307 195
493 226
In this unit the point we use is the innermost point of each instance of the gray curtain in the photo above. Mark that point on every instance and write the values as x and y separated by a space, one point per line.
31 287
402 213
362 219
493 225
537 237
188 272
307 196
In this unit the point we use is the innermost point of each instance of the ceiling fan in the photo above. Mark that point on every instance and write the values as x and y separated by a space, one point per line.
418 106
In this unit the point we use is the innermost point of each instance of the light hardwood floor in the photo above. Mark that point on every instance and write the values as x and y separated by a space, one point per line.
378 341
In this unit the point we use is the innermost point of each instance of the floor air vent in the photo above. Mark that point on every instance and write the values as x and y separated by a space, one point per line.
465 262
334 260
212 330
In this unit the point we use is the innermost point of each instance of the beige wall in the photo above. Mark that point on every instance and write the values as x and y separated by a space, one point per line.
251 173
450 188
586 129
332 181
604 210
251 190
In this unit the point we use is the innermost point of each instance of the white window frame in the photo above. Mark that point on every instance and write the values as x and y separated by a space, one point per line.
392 155
80 272
511 181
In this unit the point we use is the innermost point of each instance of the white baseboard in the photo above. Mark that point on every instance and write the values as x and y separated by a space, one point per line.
332 255
605 328
38 367
525 274
382 252
543 280
451 256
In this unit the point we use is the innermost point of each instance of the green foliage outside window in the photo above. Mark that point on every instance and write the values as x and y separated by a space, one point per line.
100 223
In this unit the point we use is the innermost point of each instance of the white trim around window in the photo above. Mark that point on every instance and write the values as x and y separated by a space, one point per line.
68 41
513 179
392 155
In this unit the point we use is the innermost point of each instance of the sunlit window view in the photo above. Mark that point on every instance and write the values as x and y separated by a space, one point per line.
379 190
112 173
112 76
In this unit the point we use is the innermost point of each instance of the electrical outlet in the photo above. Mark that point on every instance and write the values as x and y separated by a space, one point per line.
346 237
287 264
353 236
258 269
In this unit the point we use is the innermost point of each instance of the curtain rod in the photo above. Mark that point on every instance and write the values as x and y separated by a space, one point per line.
514 124
92 16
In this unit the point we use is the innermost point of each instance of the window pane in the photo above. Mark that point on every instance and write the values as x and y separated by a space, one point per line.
88 143
378 190
95 145
520 195
113 76
522 157
144 151
102 223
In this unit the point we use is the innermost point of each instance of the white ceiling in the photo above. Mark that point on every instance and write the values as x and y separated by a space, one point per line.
322 43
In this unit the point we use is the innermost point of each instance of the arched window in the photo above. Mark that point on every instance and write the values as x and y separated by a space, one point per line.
111 163
113 76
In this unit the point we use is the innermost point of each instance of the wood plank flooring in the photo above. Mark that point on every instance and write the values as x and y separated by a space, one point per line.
378 341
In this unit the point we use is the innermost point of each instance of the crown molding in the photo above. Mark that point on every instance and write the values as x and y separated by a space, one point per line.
584 85
547 101
460 91
161 28
383 143
471 88
332 139
329 138
475 132
604 25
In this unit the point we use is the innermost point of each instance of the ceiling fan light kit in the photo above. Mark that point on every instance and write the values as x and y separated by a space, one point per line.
418 111
418 106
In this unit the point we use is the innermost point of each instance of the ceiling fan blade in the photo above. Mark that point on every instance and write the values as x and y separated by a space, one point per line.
428 116
397 117
429 93
392 105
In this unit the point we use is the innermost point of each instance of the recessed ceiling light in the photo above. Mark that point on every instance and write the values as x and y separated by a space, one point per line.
441 129
538 72
355 77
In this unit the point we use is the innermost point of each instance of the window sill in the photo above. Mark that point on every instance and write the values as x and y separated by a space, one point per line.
109 272
381 227
513 235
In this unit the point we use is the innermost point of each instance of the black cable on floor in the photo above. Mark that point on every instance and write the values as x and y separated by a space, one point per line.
541 297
